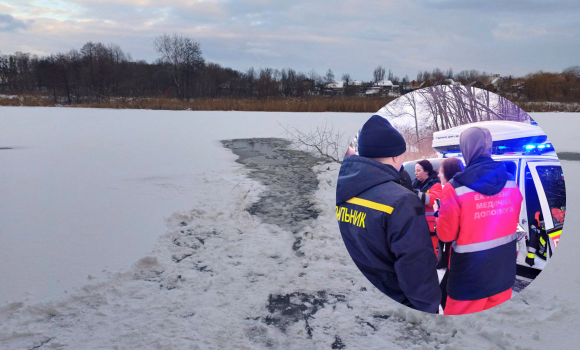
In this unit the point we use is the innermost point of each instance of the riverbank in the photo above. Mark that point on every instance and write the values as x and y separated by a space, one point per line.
354 104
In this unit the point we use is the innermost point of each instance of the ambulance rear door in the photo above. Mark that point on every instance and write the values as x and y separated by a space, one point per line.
549 182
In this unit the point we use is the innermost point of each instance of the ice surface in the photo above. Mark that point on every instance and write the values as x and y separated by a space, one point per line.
87 190
222 278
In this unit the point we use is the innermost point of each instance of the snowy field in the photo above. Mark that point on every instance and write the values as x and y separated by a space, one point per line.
188 249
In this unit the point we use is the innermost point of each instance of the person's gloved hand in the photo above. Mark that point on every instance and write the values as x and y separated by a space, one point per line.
416 191
530 261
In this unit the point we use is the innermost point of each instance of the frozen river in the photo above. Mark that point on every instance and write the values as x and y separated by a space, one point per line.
86 191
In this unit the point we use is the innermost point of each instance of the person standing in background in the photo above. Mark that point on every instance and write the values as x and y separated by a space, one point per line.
423 185
448 168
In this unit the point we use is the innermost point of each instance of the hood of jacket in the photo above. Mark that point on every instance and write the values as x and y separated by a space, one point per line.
483 175
358 174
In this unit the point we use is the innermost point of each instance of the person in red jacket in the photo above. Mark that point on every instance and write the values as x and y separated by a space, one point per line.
428 187
447 170
479 211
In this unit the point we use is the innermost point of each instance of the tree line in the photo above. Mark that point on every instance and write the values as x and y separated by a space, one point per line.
98 72
439 108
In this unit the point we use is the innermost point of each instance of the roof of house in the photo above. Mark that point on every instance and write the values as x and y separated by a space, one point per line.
335 85
384 83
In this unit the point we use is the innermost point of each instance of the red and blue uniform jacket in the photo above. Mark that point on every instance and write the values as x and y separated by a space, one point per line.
429 190
385 232
479 212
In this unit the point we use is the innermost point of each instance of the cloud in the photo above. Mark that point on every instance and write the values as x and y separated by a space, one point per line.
501 6
350 36
518 31
10 24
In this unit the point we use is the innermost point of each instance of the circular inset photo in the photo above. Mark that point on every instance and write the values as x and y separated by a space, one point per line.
451 200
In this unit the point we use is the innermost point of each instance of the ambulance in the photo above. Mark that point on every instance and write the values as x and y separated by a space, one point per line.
530 157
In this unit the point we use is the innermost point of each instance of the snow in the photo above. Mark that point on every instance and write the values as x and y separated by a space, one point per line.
243 286
86 191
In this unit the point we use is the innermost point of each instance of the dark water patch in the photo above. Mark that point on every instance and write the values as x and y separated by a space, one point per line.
287 309
520 284
4 148
179 258
288 176
40 344
569 155
338 344
383 317
291 308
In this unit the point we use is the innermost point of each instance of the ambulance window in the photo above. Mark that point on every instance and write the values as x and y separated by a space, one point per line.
511 168
552 180
532 201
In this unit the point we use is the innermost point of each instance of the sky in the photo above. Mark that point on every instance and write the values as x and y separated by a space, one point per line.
507 37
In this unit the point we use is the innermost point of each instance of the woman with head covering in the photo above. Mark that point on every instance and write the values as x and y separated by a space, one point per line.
423 185
479 212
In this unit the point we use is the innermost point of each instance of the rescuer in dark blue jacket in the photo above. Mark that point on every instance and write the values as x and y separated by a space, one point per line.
383 224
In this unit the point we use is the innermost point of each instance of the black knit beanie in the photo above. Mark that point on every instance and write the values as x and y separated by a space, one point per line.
378 139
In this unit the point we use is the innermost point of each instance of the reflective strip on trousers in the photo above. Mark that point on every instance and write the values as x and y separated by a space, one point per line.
531 255
477 247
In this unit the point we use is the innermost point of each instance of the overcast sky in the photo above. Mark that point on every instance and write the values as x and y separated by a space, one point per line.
496 36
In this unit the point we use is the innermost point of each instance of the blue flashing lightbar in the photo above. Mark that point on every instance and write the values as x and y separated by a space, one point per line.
530 146
541 146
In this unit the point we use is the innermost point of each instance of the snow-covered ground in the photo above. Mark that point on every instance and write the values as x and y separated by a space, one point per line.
85 192
216 276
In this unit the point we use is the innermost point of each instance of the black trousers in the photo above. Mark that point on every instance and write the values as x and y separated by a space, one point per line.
443 286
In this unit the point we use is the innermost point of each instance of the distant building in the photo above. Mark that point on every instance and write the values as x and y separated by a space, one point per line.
477 84
412 86
492 83
385 84
448 82
335 85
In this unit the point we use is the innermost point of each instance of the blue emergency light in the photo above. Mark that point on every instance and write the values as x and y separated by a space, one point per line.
538 148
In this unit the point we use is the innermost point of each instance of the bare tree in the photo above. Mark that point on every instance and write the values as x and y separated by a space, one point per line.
378 74
329 76
346 78
323 141
184 57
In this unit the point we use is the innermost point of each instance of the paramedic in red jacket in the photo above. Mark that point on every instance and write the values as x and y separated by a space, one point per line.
479 212
428 187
